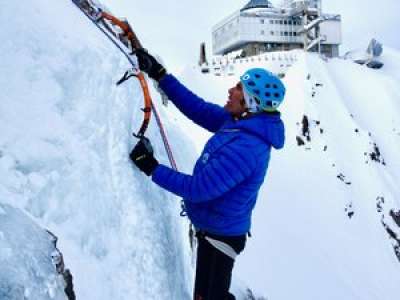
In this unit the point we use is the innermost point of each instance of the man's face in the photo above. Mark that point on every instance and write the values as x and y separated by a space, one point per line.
236 104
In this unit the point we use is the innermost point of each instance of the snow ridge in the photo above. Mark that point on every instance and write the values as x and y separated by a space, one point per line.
325 222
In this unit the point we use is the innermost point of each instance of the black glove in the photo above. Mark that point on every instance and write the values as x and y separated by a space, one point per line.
148 64
142 156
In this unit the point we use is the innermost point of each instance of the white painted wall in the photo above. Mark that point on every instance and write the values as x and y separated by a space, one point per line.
239 29
333 32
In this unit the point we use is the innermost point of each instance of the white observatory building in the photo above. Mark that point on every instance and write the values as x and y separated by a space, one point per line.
259 27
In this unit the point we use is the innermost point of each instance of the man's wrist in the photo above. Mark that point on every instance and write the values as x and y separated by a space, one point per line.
160 74
153 166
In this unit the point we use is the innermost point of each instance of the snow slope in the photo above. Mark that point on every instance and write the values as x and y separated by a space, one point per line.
318 229
66 136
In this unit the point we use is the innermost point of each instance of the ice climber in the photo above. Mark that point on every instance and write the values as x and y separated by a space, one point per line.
221 193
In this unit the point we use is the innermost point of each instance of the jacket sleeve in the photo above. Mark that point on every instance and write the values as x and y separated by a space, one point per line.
207 115
221 174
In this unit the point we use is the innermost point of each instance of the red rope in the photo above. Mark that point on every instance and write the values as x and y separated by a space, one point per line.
164 138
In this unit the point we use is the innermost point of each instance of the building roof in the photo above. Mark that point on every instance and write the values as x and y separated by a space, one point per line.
257 4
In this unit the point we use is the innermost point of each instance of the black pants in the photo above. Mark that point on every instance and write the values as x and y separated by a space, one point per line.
214 268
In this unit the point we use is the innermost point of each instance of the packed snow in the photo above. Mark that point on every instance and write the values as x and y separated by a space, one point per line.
320 227
27 269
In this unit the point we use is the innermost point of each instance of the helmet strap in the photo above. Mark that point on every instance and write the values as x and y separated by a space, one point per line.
251 104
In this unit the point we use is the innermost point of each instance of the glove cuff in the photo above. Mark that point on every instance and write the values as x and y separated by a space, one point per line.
152 165
159 74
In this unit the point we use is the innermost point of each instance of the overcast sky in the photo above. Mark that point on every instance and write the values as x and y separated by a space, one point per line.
174 29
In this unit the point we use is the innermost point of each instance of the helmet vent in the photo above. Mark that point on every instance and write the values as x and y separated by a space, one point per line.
262 89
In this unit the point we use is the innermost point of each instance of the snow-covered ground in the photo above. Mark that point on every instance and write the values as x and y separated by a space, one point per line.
318 228
309 245
318 231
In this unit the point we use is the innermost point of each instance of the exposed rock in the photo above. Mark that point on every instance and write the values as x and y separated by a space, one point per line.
58 261
300 141
349 210
379 203
306 128
341 177
395 216
395 239
375 155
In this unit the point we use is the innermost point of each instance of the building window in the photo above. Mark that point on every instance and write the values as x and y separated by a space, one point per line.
281 33
271 21
286 33
290 22
272 33
262 32
285 22
294 33
281 22
262 21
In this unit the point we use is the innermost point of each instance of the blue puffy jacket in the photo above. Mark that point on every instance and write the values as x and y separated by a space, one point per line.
221 194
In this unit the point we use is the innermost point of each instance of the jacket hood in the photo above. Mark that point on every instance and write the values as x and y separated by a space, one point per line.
268 127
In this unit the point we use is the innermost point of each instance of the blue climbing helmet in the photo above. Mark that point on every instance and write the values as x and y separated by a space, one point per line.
263 91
